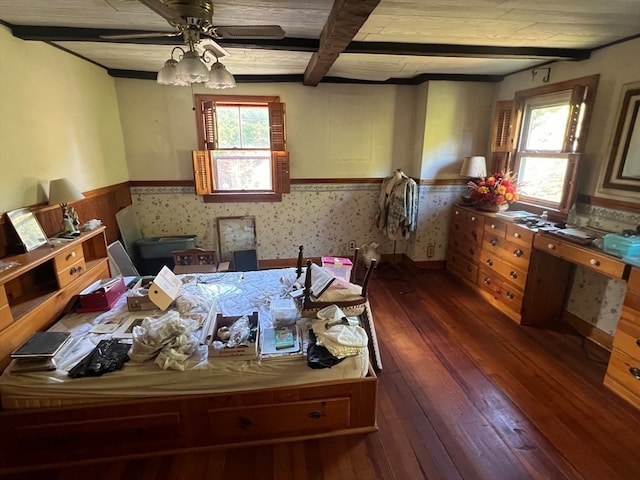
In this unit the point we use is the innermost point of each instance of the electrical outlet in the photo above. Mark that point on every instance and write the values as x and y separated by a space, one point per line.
431 251
352 244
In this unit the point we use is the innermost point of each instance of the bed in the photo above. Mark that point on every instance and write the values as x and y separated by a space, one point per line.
49 418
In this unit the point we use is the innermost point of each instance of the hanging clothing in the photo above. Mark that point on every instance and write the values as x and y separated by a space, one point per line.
397 213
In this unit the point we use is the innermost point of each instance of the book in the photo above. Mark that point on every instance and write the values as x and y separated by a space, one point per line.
41 344
283 338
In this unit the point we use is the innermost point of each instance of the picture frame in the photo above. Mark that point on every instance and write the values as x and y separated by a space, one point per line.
28 228
235 233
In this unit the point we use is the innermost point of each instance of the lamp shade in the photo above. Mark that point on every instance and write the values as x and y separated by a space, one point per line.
473 167
219 77
191 69
62 190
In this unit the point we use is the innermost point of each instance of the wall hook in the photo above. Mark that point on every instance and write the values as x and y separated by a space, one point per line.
545 79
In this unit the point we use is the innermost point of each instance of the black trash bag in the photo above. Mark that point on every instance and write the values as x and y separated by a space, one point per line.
108 356
318 356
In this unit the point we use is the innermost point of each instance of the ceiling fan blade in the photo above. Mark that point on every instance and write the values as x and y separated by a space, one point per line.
126 36
250 32
161 9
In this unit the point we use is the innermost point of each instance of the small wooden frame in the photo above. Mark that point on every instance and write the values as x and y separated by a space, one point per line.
197 260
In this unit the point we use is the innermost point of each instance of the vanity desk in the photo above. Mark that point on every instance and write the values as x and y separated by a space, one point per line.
527 274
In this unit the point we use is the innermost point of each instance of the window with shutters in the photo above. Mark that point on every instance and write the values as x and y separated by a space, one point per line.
242 148
552 123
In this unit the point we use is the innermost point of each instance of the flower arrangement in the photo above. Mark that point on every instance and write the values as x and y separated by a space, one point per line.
495 191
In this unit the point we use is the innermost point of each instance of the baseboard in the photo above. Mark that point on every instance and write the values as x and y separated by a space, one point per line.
592 333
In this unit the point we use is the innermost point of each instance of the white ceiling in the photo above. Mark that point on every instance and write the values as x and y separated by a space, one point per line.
544 24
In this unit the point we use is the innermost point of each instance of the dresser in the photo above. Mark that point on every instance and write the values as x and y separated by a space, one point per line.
493 255
623 371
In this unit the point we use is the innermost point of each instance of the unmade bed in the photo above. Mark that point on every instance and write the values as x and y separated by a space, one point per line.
214 401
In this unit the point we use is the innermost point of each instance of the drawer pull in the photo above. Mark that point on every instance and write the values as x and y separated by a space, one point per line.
493 226
551 246
469 269
71 255
509 295
457 212
635 372
472 251
474 234
494 242
315 415
594 262
513 274
74 270
487 281
489 262
473 219
517 253
638 342
517 235
244 422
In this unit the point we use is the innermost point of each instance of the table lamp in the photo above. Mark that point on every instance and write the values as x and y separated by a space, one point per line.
474 167
62 191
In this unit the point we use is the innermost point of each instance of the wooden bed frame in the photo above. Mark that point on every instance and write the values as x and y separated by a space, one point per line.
42 437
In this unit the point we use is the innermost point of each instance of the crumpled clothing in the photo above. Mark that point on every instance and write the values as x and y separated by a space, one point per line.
342 336
108 356
318 356
169 339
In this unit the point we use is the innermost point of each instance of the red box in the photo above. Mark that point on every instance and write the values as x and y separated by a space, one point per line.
101 295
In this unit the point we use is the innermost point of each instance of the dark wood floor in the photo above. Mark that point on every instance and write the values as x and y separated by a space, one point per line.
465 394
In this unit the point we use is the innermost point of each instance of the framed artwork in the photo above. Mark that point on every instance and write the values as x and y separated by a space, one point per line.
235 233
28 228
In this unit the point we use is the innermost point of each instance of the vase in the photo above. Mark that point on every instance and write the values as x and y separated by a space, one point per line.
492 207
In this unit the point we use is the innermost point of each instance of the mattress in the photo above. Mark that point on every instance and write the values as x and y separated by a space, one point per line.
229 293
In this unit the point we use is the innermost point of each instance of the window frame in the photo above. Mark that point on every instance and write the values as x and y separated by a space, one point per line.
582 95
204 176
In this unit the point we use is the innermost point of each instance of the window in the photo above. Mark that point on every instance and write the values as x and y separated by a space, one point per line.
552 122
242 154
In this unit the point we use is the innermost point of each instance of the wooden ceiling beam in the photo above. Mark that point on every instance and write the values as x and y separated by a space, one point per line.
344 21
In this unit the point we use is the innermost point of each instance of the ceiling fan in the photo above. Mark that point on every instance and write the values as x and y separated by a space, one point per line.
193 18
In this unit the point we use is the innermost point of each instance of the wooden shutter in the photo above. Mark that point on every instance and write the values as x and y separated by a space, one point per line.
209 125
202 174
501 138
277 125
578 96
280 160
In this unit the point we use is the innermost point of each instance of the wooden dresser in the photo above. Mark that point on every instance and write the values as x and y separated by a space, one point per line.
623 372
492 254
35 293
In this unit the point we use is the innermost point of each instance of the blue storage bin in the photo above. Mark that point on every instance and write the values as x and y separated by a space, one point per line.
621 246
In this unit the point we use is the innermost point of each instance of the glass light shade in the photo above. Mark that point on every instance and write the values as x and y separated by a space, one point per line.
219 77
474 167
191 69
168 75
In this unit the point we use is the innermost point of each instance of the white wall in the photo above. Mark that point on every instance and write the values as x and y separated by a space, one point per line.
333 130
59 118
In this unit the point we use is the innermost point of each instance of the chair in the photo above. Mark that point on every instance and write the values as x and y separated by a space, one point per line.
120 262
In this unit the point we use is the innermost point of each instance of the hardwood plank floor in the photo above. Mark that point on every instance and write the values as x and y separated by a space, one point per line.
465 394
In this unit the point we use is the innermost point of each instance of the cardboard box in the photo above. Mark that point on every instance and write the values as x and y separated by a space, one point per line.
238 353
163 290
137 302
101 295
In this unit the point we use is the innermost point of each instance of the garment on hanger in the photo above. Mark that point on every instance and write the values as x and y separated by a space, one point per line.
397 212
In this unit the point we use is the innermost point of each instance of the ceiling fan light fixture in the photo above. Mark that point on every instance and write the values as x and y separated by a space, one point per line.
191 69
168 75
219 77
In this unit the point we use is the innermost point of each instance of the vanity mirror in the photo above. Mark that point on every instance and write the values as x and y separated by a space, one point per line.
623 165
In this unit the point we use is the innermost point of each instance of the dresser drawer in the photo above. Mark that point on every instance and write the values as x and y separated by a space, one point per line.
261 422
501 290
623 376
519 235
576 254
476 219
497 228
517 255
627 336
460 242
514 275
68 258
70 273
461 266
466 233
632 298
